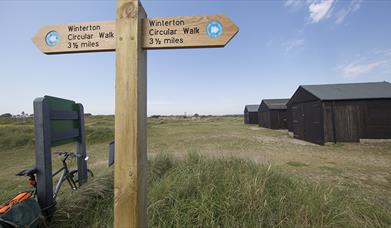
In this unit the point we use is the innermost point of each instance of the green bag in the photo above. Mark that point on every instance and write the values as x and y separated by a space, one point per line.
26 214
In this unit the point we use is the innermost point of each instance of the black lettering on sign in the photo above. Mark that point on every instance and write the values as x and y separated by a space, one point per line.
84 36
89 44
157 32
166 23
194 30
83 28
106 35
173 40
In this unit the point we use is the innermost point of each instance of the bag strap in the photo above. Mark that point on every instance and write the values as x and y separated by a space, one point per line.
22 196
8 222
17 199
4 208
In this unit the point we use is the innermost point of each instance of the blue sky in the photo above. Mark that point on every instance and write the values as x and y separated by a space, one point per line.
281 45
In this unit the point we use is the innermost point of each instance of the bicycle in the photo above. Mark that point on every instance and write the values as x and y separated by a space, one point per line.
71 176
24 209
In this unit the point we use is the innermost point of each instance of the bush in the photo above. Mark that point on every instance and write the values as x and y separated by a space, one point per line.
99 134
6 115
16 136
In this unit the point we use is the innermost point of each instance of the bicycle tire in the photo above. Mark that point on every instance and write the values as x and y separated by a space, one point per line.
75 177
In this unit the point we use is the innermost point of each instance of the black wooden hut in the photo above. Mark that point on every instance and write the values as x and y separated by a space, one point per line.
251 114
341 112
272 113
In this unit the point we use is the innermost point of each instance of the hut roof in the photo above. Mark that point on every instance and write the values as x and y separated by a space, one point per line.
351 91
276 104
252 108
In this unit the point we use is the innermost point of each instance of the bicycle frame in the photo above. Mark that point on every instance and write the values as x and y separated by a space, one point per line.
64 176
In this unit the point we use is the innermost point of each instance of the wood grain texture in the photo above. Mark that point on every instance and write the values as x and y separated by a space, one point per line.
105 44
130 118
199 39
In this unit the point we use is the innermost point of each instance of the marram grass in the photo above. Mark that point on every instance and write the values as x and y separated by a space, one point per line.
201 192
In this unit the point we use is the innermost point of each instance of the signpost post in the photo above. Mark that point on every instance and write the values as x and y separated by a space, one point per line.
130 36
130 118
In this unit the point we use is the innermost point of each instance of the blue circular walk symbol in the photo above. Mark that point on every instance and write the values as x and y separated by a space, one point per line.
52 38
214 29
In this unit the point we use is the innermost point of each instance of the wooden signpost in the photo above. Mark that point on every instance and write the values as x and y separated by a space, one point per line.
172 32
130 36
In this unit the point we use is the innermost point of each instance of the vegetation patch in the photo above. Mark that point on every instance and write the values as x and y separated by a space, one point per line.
225 192
201 192
99 134
16 136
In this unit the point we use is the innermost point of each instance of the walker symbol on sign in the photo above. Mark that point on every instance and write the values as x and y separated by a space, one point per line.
214 29
52 38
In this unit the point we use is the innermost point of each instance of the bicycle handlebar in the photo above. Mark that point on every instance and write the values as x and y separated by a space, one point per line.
67 154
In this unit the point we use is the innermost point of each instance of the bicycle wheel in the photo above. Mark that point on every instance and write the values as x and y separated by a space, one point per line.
73 174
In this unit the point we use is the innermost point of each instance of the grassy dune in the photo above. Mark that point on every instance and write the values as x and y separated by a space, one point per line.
218 172
200 192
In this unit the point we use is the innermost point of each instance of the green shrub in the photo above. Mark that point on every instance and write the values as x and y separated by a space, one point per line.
16 136
99 134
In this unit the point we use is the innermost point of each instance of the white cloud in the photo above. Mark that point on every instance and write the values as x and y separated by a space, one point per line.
344 12
291 44
294 4
377 61
356 69
320 10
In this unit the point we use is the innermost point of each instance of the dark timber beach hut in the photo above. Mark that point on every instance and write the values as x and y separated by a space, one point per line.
272 113
341 112
251 114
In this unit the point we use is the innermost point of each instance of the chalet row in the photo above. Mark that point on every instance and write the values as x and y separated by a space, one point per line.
329 113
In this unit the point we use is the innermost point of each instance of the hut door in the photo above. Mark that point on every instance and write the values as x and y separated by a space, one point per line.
297 121
347 123
283 119
312 122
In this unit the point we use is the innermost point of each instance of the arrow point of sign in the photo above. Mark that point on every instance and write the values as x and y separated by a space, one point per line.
39 39
232 27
